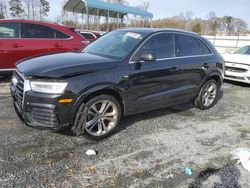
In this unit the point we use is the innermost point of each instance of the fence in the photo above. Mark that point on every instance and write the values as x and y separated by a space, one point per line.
225 44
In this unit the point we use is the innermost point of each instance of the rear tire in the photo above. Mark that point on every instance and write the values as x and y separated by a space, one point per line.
100 116
208 95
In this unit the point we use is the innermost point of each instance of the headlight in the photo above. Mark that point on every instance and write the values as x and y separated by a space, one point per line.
48 87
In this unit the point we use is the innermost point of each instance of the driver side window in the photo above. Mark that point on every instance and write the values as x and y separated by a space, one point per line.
162 45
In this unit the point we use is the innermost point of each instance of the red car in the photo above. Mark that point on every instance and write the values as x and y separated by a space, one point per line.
90 35
21 39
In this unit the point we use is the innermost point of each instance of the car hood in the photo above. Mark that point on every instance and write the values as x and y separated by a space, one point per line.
237 58
64 65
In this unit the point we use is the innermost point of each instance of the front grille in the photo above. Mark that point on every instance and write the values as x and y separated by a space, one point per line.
235 69
43 116
19 88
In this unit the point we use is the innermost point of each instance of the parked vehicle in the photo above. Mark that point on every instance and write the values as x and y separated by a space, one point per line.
238 65
90 35
125 72
21 39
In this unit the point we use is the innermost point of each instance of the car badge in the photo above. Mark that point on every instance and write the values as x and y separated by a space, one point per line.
14 81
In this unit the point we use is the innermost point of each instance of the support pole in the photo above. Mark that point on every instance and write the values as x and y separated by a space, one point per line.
108 22
98 22
117 20
151 23
87 10
135 20
122 20
82 21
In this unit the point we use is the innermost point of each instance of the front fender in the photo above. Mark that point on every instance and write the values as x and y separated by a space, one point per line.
93 89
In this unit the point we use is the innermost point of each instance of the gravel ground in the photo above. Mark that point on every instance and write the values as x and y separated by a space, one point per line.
148 150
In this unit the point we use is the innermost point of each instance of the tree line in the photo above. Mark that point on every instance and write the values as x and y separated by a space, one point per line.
212 25
30 9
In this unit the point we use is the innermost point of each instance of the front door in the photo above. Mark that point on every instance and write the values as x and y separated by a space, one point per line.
155 84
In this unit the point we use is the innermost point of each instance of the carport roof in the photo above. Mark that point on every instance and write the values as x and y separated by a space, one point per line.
105 8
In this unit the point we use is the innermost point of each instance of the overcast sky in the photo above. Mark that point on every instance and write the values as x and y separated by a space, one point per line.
167 8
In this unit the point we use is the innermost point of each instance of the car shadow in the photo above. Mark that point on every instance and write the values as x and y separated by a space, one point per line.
130 120
127 121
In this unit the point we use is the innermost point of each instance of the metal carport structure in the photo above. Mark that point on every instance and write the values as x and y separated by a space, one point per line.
105 9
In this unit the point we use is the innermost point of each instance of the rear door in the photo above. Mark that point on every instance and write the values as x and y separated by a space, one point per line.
195 58
10 45
40 39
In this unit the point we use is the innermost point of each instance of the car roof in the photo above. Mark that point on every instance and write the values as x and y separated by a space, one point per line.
154 30
34 21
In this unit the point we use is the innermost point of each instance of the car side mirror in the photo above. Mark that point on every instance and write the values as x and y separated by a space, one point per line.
148 57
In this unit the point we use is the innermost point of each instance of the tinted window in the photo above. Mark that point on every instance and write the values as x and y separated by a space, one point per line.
37 31
9 30
88 35
60 35
189 46
204 48
243 50
161 44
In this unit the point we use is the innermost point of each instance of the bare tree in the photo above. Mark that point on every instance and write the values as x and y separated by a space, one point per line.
213 23
240 26
3 9
27 7
144 6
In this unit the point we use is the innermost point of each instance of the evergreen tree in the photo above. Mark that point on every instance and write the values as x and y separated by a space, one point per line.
197 28
16 8
44 8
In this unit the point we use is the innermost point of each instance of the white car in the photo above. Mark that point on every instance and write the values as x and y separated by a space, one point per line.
237 65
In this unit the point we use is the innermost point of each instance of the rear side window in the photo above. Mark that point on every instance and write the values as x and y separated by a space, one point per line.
190 46
9 30
37 31
60 35
162 45
88 35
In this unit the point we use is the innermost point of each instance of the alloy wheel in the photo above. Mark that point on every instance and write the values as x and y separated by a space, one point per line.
209 94
101 118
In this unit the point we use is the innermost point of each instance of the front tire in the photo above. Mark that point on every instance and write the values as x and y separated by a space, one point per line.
208 95
101 116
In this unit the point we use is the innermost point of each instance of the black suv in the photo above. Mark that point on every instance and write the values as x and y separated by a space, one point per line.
125 72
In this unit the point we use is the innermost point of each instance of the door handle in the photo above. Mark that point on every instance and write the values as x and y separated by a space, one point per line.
58 45
205 67
16 46
176 69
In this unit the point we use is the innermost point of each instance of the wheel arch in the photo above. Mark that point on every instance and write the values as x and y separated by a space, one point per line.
217 76
111 90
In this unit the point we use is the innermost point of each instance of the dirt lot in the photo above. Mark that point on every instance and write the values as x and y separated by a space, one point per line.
148 150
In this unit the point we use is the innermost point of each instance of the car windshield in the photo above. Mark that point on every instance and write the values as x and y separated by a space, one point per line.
243 50
115 45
